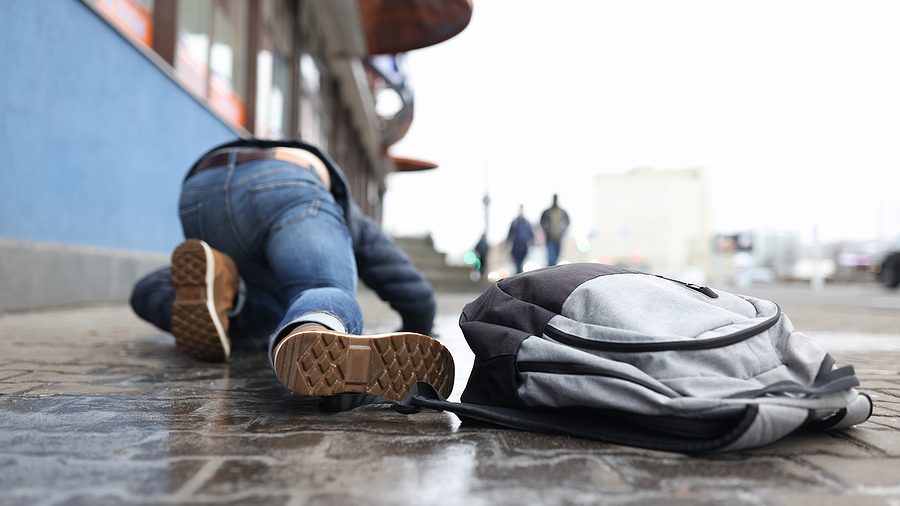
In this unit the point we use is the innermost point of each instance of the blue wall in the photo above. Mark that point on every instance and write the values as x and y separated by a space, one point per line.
94 138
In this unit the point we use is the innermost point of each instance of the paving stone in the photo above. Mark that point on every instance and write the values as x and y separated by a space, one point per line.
877 422
887 423
17 388
24 498
888 396
881 440
73 388
885 409
861 473
10 374
735 472
808 442
74 444
878 384
791 498
100 499
142 479
66 377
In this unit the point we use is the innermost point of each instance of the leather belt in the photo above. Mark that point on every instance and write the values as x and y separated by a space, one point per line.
217 160
220 159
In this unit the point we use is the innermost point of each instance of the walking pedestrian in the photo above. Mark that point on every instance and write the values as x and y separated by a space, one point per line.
554 222
481 249
520 238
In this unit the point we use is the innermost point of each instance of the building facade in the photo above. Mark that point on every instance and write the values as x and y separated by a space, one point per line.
106 103
654 220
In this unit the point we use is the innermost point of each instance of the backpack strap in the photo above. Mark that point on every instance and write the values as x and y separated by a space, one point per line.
857 411
757 425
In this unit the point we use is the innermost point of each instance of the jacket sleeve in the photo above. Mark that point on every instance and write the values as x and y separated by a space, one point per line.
545 220
386 269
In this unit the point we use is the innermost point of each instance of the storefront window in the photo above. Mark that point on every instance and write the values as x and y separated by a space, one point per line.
274 82
134 17
314 120
192 51
210 53
227 61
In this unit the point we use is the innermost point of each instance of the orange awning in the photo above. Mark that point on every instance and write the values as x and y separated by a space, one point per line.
411 164
397 26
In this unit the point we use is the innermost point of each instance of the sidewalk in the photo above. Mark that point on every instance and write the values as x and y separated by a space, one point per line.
97 407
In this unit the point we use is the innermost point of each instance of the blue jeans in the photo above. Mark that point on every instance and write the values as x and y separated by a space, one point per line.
552 252
289 239
519 260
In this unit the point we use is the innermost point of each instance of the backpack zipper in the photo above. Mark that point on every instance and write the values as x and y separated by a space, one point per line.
586 370
687 344
705 290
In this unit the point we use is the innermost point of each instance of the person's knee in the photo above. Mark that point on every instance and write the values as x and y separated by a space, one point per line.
139 294
152 297
320 294
337 301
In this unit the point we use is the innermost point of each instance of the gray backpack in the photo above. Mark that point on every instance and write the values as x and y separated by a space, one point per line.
631 358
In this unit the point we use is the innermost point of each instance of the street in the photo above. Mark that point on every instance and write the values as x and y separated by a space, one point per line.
105 406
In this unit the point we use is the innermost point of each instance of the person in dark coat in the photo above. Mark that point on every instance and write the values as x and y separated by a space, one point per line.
519 238
481 249
554 222
275 245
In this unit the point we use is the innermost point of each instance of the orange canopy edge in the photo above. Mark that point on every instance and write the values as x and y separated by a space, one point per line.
403 164
397 26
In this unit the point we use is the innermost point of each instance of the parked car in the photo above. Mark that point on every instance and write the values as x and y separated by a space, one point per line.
856 260
887 271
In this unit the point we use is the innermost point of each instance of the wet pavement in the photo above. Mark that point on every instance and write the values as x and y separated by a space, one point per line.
97 408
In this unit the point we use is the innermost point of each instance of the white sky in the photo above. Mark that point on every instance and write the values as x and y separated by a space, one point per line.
793 105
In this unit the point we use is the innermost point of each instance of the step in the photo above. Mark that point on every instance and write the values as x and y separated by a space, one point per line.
433 265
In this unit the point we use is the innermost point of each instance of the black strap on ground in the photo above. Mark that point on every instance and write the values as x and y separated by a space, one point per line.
595 425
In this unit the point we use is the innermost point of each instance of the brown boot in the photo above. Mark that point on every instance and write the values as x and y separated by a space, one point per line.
313 360
206 283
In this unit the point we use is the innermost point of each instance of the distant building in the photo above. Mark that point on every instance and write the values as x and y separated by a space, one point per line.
777 250
104 105
756 256
657 220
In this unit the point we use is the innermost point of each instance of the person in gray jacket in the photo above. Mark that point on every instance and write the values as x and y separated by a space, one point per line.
554 223
274 246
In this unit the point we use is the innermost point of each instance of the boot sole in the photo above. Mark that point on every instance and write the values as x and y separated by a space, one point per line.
320 363
195 322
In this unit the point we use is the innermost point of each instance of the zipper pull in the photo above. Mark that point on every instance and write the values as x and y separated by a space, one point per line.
697 288
703 289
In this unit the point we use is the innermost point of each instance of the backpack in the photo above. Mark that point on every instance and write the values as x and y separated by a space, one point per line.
626 357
